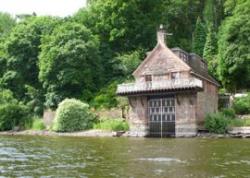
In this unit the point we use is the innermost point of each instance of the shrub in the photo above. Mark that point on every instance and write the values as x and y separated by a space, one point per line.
112 125
229 113
242 105
72 115
216 123
37 124
12 115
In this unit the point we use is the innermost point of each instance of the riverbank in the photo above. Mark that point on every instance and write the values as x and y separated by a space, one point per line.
237 132
88 133
102 133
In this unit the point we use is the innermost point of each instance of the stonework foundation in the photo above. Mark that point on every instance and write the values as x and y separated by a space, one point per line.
138 120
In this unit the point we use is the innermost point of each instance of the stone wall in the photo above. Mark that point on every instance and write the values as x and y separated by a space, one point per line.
207 101
138 120
185 123
48 117
113 113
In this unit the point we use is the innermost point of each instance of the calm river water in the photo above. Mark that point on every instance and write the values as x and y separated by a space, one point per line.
35 156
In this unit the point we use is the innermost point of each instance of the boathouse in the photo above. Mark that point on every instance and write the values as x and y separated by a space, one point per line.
171 94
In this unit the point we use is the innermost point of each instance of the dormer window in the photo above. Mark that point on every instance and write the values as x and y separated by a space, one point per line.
175 75
148 78
183 56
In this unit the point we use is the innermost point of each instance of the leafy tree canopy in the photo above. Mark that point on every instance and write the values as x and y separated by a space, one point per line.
22 48
199 37
69 63
234 49
210 51
6 23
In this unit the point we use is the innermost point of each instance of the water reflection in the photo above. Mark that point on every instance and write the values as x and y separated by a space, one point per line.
123 157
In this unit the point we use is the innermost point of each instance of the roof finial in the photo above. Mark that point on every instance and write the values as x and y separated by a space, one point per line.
161 34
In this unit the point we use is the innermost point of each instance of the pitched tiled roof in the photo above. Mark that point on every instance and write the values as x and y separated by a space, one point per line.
194 61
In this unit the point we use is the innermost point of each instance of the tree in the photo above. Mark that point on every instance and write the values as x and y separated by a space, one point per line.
6 23
210 51
199 37
208 12
234 49
213 13
125 64
19 57
69 63
124 26
22 48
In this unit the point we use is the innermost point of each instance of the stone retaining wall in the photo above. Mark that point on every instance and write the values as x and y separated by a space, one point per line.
239 130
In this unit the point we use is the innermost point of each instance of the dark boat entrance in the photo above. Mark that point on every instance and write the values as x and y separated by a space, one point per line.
161 112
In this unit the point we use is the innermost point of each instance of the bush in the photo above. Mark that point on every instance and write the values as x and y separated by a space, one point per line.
37 124
242 105
216 123
112 125
13 115
72 115
229 113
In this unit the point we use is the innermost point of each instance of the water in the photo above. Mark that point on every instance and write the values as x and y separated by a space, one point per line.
36 156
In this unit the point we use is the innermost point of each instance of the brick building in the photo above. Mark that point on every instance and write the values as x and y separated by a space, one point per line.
171 94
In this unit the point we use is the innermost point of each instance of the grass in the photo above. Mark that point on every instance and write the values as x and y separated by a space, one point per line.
112 125
37 124
240 122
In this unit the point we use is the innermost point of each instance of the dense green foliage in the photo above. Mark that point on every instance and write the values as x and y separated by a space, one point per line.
37 124
242 105
125 64
6 24
44 60
12 113
126 26
220 122
106 98
199 37
69 63
210 51
6 96
72 115
234 49
213 12
112 125
229 113
22 48
217 123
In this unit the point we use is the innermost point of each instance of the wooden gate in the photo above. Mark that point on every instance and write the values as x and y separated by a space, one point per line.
161 112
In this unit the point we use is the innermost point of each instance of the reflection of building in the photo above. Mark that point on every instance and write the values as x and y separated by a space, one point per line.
171 94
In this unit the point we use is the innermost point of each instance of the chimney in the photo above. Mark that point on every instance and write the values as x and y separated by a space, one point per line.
161 35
